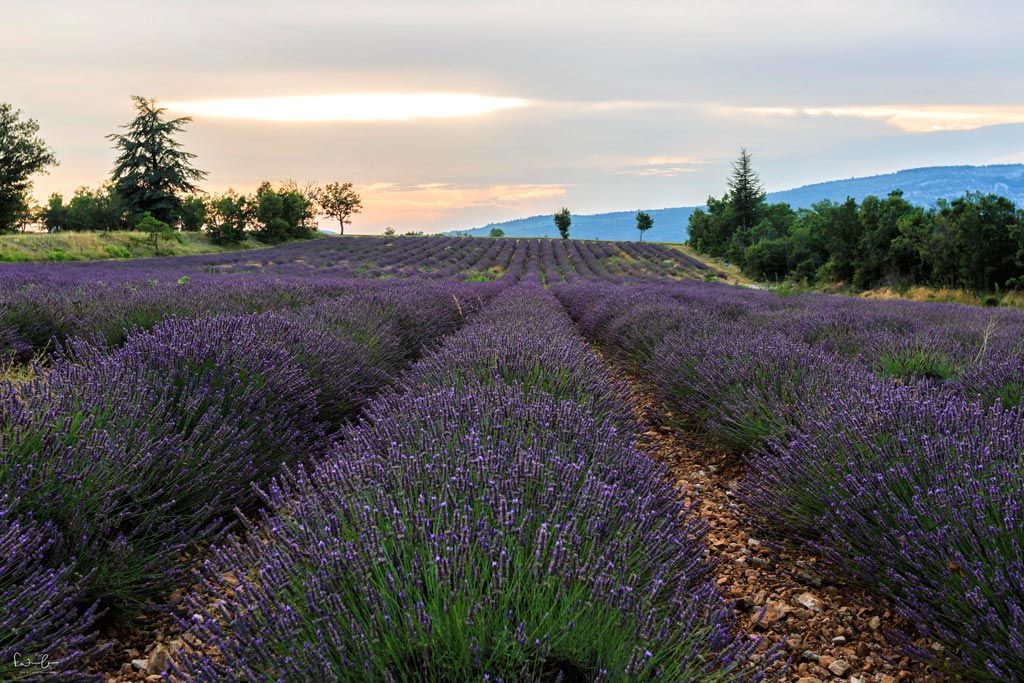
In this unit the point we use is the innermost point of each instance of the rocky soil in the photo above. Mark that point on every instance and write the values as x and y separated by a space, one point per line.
827 632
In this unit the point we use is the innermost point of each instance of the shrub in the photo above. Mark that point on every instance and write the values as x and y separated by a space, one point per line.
44 633
500 527
917 499
743 390
117 251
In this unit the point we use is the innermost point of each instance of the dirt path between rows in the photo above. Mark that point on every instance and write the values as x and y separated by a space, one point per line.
827 632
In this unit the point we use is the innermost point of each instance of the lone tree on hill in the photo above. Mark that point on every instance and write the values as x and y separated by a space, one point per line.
644 222
563 219
339 201
22 154
746 195
152 173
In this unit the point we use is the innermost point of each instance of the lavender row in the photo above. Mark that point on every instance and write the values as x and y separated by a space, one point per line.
887 437
492 520
130 460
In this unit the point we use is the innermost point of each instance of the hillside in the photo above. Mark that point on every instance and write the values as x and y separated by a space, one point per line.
922 186
94 246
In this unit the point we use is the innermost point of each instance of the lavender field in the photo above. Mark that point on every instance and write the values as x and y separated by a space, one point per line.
419 459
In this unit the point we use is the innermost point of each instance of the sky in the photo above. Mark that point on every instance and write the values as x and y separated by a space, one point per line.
450 114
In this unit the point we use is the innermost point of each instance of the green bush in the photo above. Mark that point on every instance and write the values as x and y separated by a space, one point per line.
117 251
59 255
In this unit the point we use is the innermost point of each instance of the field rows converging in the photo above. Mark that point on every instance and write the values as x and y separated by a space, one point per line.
447 459
886 439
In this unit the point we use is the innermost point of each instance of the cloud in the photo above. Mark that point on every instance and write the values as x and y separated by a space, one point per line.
908 118
350 107
661 166
438 198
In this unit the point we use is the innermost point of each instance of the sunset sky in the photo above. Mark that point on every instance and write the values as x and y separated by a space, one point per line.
451 114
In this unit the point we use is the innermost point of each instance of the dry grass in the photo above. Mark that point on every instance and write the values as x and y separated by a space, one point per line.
733 274
947 295
92 246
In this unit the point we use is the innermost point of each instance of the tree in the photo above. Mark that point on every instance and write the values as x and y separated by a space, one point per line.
228 217
389 231
746 195
563 219
94 210
644 222
23 154
152 172
193 213
496 232
339 201
283 214
155 230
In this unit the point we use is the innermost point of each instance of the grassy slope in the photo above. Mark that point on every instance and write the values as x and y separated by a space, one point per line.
91 246
734 274
918 293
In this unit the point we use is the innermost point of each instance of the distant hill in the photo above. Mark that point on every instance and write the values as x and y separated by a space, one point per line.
921 186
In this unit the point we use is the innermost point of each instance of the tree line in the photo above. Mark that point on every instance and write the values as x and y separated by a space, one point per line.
154 187
975 241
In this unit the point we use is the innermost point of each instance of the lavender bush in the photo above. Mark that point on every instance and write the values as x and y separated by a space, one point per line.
920 500
492 528
44 632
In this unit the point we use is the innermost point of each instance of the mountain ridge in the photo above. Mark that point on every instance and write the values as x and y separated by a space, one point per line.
923 186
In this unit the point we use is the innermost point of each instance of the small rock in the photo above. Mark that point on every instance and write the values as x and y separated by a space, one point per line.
159 660
809 656
760 597
809 601
133 653
839 667
808 679
874 623
154 678
862 649
753 542
126 669
138 664
839 640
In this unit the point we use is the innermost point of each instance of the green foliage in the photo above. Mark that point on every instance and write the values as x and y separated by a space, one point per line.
563 219
155 230
746 195
152 172
389 231
282 214
59 255
23 153
338 201
98 210
193 213
496 232
228 217
768 259
909 364
117 251
644 222
975 241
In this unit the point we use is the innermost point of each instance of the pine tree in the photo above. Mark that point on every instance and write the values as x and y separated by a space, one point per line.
746 195
152 173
